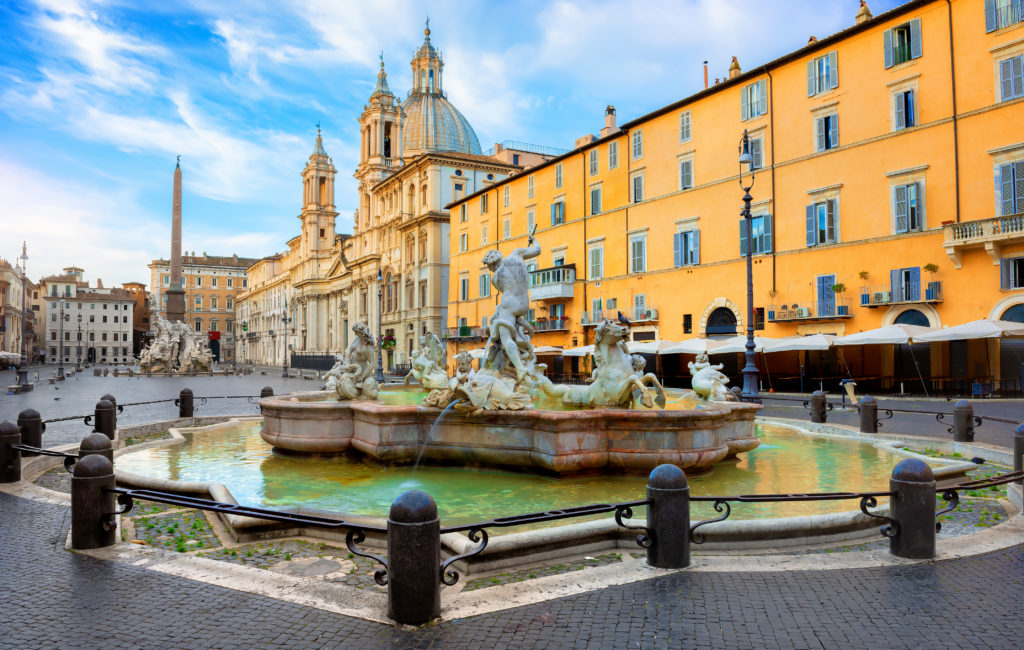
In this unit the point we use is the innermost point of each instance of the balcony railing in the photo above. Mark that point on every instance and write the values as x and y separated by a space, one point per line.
908 293
635 315
552 325
837 308
643 314
553 283
467 332
992 234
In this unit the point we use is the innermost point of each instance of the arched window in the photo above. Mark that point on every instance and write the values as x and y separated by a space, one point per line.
431 87
389 294
912 317
1015 314
721 321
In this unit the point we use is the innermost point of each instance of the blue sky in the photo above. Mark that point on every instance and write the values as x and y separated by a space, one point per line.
98 97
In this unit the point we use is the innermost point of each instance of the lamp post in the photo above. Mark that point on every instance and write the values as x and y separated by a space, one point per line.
284 335
380 317
23 366
78 357
60 343
750 373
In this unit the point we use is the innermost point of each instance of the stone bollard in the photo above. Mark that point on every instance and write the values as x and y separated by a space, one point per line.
963 421
868 414
113 400
32 428
104 418
818 401
10 459
185 403
913 510
266 391
414 559
96 443
668 518
1018 450
91 504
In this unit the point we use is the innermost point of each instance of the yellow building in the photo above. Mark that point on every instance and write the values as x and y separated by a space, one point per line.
876 152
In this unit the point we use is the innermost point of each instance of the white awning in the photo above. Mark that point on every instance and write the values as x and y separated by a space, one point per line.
979 329
692 346
889 335
547 349
478 353
791 343
649 347
581 351
739 344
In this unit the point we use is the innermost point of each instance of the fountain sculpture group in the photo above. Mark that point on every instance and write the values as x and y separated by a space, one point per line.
498 423
175 350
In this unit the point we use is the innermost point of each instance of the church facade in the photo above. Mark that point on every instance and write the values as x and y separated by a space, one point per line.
417 155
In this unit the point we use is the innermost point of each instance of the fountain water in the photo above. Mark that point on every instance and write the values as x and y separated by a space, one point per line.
423 446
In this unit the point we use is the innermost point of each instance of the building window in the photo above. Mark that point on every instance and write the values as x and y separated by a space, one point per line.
638 253
199 303
687 323
463 288
531 220
754 100
908 207
595 200
613 155
902 43
483 235
760 232
230 282
596 262
529 187
905 284
685 127
213 281
199 325
515 159
463 243
638 144
506 195
826 132
214 303
638 187
1011 77
685 174
557 213
686 248
485 285
230 303
462 213
483 203
213 324
506 228
1011 273
903 110
756 153
822 74
558 175
823 222
1010 188
593 162
1003 13
199 281
164 279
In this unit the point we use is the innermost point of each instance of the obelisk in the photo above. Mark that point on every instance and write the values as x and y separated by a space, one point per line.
176 292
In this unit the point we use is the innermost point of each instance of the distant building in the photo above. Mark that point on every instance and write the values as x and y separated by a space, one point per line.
211 284
10 307
140 315
97 321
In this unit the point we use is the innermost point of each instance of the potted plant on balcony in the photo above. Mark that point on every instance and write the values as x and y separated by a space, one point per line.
865 291
841 309
771 308
934 287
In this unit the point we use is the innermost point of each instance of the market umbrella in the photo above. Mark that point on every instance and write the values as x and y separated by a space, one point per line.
792 343
649 347
547 349
978 329
692 346
888 335
581 351
739 344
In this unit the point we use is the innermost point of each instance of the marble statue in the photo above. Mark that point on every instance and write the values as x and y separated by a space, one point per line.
618 378
352 376
175 350
509 333
709 383
428 363
474 392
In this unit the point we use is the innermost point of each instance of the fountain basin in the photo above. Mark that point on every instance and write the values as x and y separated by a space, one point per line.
551 441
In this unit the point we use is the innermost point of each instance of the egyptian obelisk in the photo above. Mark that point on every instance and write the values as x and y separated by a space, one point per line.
176 293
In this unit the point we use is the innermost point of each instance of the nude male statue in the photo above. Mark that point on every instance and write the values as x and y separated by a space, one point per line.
510 278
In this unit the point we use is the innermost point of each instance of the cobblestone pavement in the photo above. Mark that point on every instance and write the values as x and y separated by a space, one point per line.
55 599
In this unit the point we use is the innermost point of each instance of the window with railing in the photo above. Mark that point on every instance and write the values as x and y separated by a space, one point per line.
1003 13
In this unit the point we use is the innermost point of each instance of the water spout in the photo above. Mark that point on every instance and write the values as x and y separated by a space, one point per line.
423 445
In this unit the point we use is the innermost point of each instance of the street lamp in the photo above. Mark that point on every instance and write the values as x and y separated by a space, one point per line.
750 374
60 343
78 358
380 317
284 335
23 366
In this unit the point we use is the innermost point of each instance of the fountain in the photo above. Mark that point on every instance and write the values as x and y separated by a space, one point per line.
508 413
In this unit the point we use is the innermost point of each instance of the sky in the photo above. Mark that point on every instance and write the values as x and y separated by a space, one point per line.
97 98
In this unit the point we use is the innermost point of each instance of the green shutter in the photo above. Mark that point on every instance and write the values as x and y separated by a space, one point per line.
744 240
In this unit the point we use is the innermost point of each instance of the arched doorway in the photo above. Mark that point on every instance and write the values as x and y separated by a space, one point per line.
912 317
721 322
1011 352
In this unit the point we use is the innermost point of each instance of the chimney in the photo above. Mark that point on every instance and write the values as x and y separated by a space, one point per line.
705 74
812 39
498 148
99 283
863 14
583 140
609 121
734 68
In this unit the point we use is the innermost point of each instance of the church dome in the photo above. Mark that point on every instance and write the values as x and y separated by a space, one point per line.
433 123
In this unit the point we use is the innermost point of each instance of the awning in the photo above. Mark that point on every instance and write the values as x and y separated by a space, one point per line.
478 353
739 344
649 347
791 343
547 349
581 351
979 329
692 346
889 335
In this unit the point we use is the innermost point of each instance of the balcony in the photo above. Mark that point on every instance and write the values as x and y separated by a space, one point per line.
635 316
835 310
990 234
643 315
465 333
555 324
554 283
905 294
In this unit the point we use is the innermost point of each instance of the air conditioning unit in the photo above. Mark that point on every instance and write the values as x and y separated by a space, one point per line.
803 312
880 297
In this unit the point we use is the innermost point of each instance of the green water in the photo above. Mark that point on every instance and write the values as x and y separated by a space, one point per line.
237 456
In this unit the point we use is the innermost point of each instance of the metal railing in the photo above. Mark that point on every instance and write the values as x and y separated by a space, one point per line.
907 293
556 324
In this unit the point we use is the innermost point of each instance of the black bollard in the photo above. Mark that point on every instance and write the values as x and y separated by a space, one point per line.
1018 450
868 414
91 504
913 510
414 559
104 418
266 391
818 406
963 421
113 400
668 518
10 459
96 443
32 428
185 404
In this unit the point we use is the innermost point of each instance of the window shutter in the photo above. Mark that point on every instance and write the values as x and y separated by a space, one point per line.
1004 274
915 283
990 16
744 241
1006 173
833 70
811 84
1018 75
745 104
695 247
811 234
767 247
894 282
833 131
900 204
755 153
1006 78
820 130
762 96
919 194
1018 187
677 249
554 208
833 220
909 108
901 119
915 38
887 48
